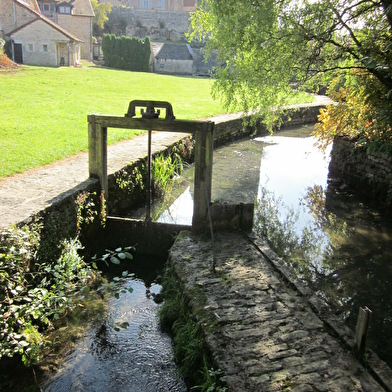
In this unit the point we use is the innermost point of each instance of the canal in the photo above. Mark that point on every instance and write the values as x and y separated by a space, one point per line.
125 350
335 242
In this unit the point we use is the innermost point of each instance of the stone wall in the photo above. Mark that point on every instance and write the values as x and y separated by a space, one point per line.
231 127
157 24
81 27
369 173
11 18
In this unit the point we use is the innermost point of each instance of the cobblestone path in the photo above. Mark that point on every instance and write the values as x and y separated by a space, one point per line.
265 335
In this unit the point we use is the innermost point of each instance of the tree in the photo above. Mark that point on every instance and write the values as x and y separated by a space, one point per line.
269 47
101 11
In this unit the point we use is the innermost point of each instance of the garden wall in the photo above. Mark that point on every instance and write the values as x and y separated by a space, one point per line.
157 24
369 173
231 127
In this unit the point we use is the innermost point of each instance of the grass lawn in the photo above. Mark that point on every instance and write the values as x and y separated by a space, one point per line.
43 111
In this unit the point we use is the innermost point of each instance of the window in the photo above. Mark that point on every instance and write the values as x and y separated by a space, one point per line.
30 47
46 7
161 4
65 10
145 3
52 8
44 48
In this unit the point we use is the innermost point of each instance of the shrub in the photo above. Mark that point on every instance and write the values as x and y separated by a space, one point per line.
132 54
34 293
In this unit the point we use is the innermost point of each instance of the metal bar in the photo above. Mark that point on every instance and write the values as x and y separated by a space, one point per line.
148 196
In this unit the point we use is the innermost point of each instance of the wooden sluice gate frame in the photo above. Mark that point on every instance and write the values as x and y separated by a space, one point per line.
204 139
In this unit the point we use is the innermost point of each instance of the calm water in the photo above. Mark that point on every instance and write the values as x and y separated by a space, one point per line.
138 358
340 246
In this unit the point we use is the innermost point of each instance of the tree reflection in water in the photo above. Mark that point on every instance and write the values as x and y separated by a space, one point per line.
344 256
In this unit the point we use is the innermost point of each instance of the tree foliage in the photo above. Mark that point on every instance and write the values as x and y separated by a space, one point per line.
270 47
101 11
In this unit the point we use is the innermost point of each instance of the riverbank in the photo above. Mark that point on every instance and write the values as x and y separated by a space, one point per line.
262 327
35 191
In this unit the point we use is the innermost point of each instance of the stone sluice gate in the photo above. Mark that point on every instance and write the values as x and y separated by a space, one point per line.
265 331
262 327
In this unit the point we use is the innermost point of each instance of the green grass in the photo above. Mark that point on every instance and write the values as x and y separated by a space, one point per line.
43 111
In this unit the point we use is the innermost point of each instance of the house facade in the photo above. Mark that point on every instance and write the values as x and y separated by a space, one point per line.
163 5
40 43
168 5
61 37
74 16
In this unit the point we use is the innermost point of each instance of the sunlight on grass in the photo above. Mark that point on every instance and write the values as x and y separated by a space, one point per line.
44 110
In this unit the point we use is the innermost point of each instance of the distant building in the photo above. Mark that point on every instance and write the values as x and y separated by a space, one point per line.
164 5
48 32
173 59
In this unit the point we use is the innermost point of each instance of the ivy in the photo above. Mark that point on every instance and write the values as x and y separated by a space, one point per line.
35 293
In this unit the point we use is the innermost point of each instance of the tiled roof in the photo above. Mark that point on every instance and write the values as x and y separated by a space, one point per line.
44 19
82 7
174 52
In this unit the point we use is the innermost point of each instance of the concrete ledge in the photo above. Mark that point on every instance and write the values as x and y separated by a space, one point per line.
150 238
227 216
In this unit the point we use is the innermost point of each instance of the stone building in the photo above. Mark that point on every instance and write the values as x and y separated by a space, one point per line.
48 32
173 59
163 5
74 16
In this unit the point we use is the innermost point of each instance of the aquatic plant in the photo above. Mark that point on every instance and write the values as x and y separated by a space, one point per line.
188 338
162 172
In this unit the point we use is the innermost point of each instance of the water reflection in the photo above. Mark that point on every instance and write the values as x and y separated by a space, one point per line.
337 244
138 358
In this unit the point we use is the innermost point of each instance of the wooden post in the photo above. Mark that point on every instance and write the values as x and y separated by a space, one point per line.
97 152
361 329
204 143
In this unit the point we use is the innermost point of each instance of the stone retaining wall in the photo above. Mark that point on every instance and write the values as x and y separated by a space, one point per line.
227 128
231 127
369 173
154 23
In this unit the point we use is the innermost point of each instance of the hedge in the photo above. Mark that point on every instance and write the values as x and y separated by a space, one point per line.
128 53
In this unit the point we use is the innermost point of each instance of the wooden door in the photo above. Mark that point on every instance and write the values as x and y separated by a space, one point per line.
18 53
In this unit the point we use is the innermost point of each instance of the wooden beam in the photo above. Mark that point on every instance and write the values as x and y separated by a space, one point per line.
204 146
361 330
158 124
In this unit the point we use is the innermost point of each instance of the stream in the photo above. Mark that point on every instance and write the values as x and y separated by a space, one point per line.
340 246
135 357
333 241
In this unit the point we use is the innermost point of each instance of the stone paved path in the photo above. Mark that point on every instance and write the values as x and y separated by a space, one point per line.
262 332
267 336
28 193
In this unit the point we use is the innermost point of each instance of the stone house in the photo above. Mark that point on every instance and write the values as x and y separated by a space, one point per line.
173 59
179 59
48 40
74 16
163 5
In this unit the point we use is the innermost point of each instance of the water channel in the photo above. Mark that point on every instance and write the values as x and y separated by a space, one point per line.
337 244
334 241
125 351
